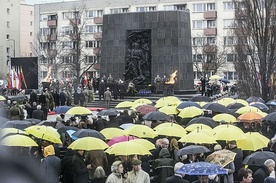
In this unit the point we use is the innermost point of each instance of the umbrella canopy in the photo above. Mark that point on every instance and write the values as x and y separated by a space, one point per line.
3 120
163 103
228 132
224 80
201 168
62 109
222 157
88 133
197 137
33 120
109 133
188 104
124 104
108 112
44 132
215 107
119 139
8 131
241 101
2 98
192 149
203 120
88 144
190 112
215 77
270 117
144 109
228 118
247 109
167 124
258 158
133 107
196 126
127 148
171 131
260 106
66 128
158 116
18 140
253 141
250 117
255 99
142 101
169 98
54 124
226 101
145 143
78 111
202 103
271 103
200 98
169 110
19 124
126 125
235 106
141 131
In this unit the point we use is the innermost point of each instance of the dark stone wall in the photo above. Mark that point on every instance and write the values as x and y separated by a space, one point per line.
170 44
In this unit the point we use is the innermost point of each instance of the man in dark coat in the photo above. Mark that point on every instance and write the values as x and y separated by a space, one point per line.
115 89
126 118
38 113
42 100
112 123
62 97
56 98
33 97
203 85
177 177
238 158
80 170
122 90
263 172
101 89
67 167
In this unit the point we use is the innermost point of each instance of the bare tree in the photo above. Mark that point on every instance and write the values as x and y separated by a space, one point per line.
255 29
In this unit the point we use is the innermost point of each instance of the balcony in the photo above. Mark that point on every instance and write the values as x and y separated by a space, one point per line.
98 20
51 53
210 48
52 23
98 35
74 21
52 37
210 14
97 51
210 31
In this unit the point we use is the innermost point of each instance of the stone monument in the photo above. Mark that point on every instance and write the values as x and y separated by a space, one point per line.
139 46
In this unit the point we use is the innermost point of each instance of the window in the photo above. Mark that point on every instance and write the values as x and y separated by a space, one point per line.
197 57
7 36
44 73
118 10
228 6
146 8
204 7
44 31
67 74
175 7
67 30
8 11
230 75
211 23
67 44
70 15
197 41
228 23
93 28
199 24
92 44
210 58
211 41
90 59
94 13
52 17
229 40
31 12
8 50
68 59
8 24
31 23
231 57
31 33
43 17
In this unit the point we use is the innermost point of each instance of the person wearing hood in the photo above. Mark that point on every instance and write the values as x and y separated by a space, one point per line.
67 167
163 167
50 165
116 173
264 171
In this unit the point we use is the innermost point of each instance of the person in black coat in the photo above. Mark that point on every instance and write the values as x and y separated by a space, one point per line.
177 177
115 89
80 170
238 158
264 172
101 89
33 97
42 100
203 85
67 167
122 90
126 118
62 97
56 99
38 114
112 123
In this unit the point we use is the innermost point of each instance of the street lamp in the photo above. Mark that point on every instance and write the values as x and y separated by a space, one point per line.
13 46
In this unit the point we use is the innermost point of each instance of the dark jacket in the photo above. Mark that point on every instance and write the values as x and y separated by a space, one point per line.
113 123
42 99
38 114
33 98
62 98
101 88
67 167
176 179
163 167
260 175
79 168
126 119
96 158
237 161
122 88
56 98
50 167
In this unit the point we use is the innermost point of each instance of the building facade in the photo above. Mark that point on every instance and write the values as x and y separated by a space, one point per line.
211 27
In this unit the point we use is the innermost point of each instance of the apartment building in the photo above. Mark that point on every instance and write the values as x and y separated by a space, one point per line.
211 27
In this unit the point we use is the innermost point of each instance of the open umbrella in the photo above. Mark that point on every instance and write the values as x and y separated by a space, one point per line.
167 124
197 137
224 80
171 131
169 110
18 140
260 106
145 143
253 141
202 103
62 109
66 128
44 132
127 148
226 101
235 106
215 107
142 101
126 125
19 124
158 116
270 117
192 149
196 126
188 104
163 103
124 104
228 132
2 98
222 157
250 117
258 158
119 139
200 98
201 168
141 131
54 124
3 120
271 103
109 133
8 131
247 109
169 98
203 120
88 133
108 112
79 111
33 120
88 144
144 109
190 112
228 118
255 99
215 77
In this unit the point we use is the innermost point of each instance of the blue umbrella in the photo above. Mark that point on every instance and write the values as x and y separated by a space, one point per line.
260 106
126 125
224 80
62 109
201 168
70 133
188 104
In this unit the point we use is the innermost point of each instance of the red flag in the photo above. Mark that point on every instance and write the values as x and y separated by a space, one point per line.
23 77
19 79
10 79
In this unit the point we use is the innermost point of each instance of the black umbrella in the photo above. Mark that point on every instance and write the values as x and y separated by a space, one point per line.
88 133
54 124
260 106
192 149
156 115
203 120
200 98
19 124
270 117
188 104
258 158
108 112
271 103
3 120
255 99
66 128
235 106
33 120
215 107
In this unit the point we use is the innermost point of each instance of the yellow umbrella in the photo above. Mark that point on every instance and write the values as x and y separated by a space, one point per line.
18 141
196 126
228 118
226 101
163 103
241 101
171 131
2 98
124 104
145 143
263 114
169 98
197 137
162 125
135 105
169 110
78 111
190 112
202 103
44 132
109 133
127 148
6 131
215 77
142 101
141 131
253 141
228 133
247 109
88 144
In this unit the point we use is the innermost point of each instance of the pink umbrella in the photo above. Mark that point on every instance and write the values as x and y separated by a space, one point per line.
120 139
144 109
